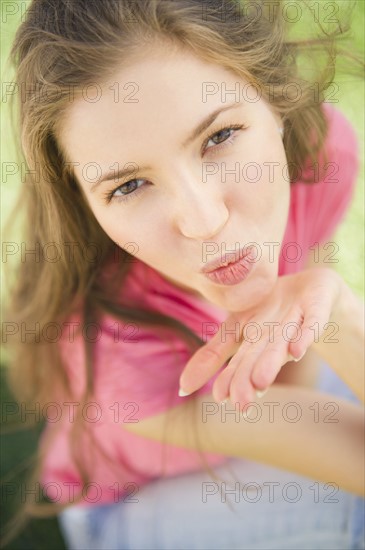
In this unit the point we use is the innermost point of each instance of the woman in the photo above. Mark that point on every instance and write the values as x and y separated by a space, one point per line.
162 240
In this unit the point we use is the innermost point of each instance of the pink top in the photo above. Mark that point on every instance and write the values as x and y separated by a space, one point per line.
136 373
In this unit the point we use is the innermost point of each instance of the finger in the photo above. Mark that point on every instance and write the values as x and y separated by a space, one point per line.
265 372
220 389
211 357
275 355
241 390
316 316
243 359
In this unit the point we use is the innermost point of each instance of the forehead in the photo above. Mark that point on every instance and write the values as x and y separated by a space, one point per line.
159 96
160 84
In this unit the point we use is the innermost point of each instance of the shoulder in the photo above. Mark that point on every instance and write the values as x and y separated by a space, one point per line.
338 160
317 209
329 198
341 133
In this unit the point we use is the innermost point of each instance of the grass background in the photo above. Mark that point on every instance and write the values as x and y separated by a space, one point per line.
18 445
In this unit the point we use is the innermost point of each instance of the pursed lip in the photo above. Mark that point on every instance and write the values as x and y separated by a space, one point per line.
226 259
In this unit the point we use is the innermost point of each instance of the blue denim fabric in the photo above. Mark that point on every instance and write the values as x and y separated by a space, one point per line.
176 513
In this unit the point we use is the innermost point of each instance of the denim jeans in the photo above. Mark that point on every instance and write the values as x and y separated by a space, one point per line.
262 507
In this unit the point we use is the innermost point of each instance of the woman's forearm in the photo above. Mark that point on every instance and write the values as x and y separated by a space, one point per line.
298 429
342 344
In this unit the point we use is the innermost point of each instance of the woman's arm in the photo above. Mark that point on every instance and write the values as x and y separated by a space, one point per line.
311 433
342 344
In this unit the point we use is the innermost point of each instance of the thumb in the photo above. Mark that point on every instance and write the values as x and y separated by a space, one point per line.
208 359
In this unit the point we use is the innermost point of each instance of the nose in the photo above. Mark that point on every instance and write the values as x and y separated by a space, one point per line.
200 212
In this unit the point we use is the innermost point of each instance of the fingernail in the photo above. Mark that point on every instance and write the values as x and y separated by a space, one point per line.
299 358
183 393
224 401
260 393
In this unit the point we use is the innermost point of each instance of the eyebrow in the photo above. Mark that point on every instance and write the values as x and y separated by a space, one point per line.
204 125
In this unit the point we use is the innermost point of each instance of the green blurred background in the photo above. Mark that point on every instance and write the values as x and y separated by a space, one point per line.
17 446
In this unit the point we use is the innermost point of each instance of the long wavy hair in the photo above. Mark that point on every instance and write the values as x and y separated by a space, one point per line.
62 45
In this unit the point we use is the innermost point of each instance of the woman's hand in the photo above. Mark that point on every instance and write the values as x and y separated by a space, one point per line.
261 340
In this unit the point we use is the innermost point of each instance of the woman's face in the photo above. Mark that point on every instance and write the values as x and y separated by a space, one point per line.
192 198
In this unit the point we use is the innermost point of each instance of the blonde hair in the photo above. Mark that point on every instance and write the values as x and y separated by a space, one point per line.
65 44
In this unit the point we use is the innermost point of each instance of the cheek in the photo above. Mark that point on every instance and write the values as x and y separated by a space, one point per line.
262 196
274 184
263 185
138 233
111 221
262 161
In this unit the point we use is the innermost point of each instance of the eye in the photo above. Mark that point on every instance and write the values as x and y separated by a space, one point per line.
222 136
128 190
